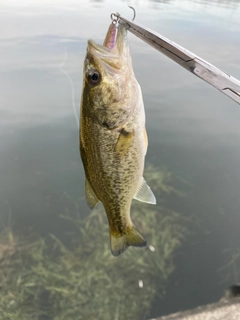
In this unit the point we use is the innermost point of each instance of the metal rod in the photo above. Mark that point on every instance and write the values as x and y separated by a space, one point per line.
188 60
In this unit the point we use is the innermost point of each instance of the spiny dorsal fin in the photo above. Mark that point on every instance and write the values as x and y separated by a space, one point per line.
145 194
119 243
92 199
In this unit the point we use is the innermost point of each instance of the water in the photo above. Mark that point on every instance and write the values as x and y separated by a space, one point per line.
193 129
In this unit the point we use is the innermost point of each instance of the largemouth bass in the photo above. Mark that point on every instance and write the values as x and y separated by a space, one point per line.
113 138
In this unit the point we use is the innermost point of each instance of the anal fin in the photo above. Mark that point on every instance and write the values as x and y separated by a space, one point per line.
145 194
92 199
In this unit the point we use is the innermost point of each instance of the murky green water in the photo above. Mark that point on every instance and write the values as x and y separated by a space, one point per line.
194 131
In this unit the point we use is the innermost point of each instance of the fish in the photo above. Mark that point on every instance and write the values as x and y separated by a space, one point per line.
113 138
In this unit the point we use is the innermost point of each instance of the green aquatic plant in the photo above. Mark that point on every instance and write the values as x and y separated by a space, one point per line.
78 278
230 272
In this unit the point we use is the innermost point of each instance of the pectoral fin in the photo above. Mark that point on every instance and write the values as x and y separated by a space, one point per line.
124 142
145 194
92 199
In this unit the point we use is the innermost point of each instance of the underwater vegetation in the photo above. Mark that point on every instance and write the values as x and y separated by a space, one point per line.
78 278
230 272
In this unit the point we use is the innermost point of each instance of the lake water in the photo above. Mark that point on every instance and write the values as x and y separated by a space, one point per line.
193 129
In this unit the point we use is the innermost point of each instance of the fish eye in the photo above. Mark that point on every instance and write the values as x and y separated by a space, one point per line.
93 77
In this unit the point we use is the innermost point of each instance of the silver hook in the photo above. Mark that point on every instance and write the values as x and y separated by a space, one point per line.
114 17
134 12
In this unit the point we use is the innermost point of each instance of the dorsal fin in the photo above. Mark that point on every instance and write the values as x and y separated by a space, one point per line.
145 194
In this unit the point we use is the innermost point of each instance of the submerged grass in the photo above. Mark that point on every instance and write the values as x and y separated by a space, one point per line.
48 279
230 272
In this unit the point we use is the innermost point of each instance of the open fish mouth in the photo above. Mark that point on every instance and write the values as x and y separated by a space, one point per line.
113 55
114 44
109 42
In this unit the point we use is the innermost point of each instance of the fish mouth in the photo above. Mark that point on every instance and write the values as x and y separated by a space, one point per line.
115 43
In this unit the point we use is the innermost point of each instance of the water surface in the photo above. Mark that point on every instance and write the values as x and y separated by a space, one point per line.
193 129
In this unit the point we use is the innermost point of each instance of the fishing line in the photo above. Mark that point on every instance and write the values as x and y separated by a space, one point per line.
71 85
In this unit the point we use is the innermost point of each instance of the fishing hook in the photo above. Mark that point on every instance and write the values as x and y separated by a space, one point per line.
114 17
134 13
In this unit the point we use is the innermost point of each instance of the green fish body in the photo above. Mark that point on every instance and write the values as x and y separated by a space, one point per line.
113 138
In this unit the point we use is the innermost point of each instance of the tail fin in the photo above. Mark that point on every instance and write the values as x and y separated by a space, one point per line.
119 243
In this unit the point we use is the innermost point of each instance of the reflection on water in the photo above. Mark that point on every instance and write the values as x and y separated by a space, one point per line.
162 1
193 130
225 3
